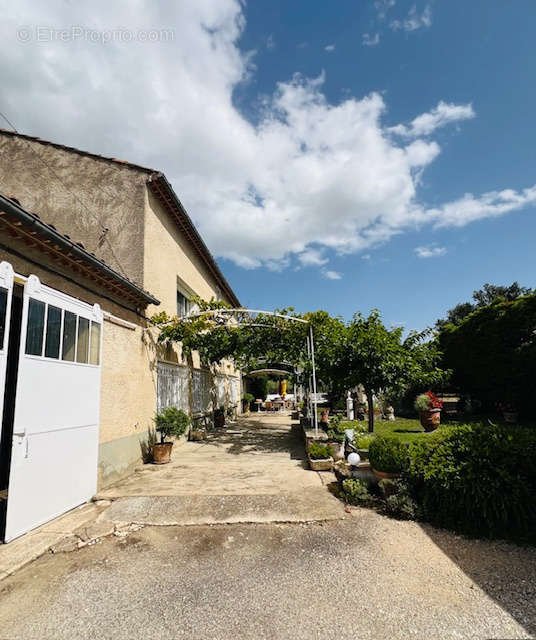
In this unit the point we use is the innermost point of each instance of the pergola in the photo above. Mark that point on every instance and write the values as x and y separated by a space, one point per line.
242 317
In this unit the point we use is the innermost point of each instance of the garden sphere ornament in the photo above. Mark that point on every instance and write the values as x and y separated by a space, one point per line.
354 459
349 407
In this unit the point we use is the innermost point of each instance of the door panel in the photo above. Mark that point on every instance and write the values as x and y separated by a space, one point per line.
56 426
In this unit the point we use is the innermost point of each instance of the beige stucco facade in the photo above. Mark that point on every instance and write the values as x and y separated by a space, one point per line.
109 207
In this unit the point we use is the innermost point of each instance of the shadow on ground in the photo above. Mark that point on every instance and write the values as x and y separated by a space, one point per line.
505 572
248 436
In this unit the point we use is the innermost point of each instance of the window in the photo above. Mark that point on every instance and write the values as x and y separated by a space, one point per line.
3 309
82 345
53 334
35 328
183 304
69 336
94 349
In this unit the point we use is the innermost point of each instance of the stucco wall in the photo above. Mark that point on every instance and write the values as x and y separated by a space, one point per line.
170 262
91 194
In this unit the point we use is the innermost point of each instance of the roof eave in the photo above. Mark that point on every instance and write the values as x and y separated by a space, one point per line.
41 230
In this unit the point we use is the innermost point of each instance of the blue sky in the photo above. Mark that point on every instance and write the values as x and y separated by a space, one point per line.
481 52
347 155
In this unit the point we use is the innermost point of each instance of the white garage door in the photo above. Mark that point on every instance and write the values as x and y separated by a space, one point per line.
56 421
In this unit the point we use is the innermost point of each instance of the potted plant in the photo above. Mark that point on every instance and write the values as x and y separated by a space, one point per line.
247 399
320 456
168 422
429 407
387 457
219 417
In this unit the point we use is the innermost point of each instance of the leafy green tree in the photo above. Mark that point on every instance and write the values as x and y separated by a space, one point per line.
379 358
489 294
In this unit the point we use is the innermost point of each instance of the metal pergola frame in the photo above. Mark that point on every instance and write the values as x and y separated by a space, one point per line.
310 344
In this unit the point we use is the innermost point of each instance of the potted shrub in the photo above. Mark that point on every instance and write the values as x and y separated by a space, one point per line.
387 457
429 407
247 399
219 417
320 456
169 422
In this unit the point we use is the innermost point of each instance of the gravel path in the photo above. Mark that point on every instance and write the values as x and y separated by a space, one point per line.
363 577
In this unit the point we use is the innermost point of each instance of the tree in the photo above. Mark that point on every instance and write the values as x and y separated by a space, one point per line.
489 294
379 358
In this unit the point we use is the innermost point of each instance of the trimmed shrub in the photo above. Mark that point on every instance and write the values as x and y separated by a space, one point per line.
318 451
477 479
387 453
171 422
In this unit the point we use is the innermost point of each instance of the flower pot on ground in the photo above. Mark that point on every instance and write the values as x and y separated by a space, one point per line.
429 407
387 456
247 399
320 456
170 422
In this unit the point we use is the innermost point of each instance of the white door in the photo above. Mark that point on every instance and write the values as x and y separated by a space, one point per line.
6 292
56 424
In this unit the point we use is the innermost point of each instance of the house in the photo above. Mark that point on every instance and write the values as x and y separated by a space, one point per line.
90 248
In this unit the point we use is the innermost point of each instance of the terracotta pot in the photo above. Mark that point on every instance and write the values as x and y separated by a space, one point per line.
162 452
430 419
384 475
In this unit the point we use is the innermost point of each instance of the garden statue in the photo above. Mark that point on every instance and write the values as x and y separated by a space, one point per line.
349 407
390 413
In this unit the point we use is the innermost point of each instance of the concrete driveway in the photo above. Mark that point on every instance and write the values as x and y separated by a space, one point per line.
252 564
253 471
365 577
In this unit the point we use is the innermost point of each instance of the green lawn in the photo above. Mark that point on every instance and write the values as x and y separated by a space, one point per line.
407 430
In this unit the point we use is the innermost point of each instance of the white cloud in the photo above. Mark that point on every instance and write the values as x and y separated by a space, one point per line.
331 275
330 47
312 257
414 20
425 124
383 6
490 205
371 41
309 178
429 252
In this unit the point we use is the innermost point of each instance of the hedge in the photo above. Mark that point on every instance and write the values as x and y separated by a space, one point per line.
477 479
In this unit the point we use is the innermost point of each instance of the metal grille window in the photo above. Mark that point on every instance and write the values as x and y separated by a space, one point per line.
234 390
220 390
201 397
172 387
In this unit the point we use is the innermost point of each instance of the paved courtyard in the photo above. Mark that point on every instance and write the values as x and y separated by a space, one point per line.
253 471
